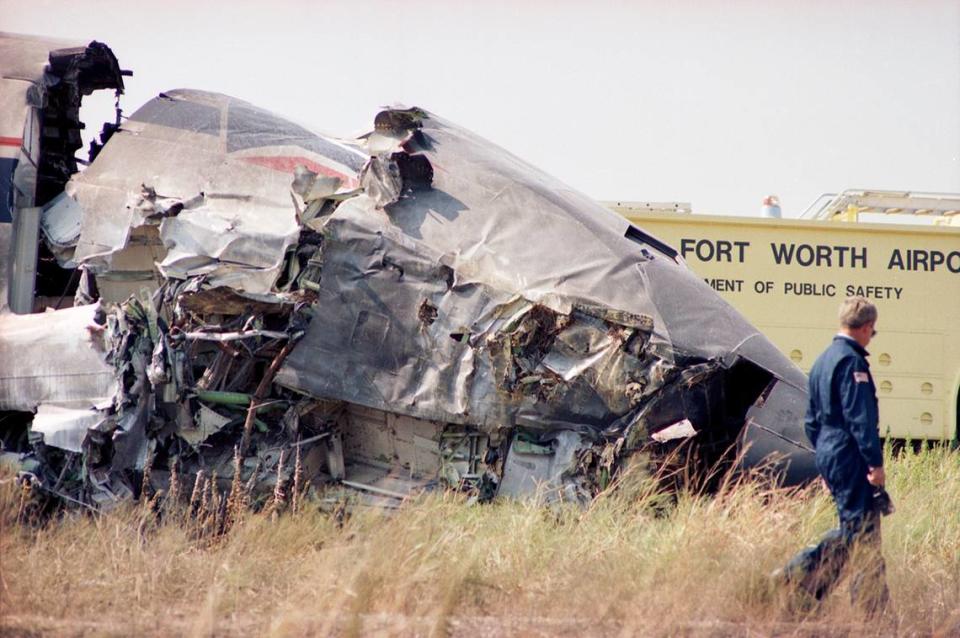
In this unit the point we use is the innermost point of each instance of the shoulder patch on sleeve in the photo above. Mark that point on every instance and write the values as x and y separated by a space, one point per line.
861 377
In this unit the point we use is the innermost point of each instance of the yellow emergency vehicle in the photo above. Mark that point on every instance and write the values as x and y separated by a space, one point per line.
788 277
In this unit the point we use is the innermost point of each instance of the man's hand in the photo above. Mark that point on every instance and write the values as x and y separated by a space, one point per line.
876 476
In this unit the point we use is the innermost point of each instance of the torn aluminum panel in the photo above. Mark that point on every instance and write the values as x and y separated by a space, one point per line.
212 174
54 358
434 312
42 83
544 470
679 430
65 427
543 309
60 223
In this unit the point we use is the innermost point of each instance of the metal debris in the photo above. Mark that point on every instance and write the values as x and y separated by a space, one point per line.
410 310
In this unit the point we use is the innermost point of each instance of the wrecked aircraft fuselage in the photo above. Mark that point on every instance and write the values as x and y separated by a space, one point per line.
412 308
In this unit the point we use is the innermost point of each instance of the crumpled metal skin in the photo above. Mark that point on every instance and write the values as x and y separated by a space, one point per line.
421 272
210 174
486 241
37 154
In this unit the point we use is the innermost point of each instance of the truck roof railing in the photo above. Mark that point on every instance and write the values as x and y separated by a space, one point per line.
846 206
652 207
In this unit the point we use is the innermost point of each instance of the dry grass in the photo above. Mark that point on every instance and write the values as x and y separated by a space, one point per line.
632 563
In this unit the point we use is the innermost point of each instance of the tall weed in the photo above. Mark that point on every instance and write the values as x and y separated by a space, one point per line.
636 560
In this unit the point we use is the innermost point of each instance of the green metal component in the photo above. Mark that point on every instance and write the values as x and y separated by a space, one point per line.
526 447
604 478
14 462
224 398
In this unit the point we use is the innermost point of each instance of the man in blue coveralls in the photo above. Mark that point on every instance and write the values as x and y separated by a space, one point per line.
842 424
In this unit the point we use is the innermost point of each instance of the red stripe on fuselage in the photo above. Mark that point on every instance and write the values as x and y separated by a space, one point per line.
288 164
11 141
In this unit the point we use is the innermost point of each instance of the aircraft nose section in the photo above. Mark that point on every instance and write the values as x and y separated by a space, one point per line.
774 434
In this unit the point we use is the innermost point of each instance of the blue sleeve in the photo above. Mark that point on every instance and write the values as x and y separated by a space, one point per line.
859 403
810 424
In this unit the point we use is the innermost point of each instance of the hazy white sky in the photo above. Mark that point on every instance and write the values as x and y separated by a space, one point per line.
714 103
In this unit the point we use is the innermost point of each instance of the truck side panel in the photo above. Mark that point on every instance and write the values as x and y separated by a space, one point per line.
789 276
